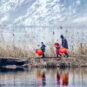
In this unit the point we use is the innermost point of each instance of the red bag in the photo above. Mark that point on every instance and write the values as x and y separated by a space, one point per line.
39 52
62 50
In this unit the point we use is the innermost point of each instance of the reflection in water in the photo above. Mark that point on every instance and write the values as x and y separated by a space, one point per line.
45 78
58 78
62 79
12 70
41 78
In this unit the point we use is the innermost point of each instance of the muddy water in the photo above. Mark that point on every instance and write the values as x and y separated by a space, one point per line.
45 78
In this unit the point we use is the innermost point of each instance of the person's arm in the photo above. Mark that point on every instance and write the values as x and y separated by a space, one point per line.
67 44
44 45
63 42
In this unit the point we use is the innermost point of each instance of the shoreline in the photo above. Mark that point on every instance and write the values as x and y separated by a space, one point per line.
70 62
49 62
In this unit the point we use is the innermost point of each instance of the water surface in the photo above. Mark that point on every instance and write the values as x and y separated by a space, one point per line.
45 78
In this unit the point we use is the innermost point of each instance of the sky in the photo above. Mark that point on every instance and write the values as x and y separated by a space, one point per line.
43 12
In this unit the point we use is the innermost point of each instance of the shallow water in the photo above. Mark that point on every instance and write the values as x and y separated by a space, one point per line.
45 78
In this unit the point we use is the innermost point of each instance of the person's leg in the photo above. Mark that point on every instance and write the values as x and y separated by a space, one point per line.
66 54
43 55
57 55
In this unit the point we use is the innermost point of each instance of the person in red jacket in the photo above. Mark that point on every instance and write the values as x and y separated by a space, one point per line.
57 49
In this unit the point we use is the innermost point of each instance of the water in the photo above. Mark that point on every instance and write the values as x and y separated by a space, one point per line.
45 78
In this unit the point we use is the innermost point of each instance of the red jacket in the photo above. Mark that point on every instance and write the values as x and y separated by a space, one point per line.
57 49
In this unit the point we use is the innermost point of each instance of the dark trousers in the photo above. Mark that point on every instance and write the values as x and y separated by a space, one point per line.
66 54
59 55
43 56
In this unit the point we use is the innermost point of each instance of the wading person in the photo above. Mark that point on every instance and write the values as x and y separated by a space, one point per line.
64 44
43 49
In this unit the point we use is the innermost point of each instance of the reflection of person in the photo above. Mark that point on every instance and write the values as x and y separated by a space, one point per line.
58 78
64 44
43 49
41 78
44 79
64 78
